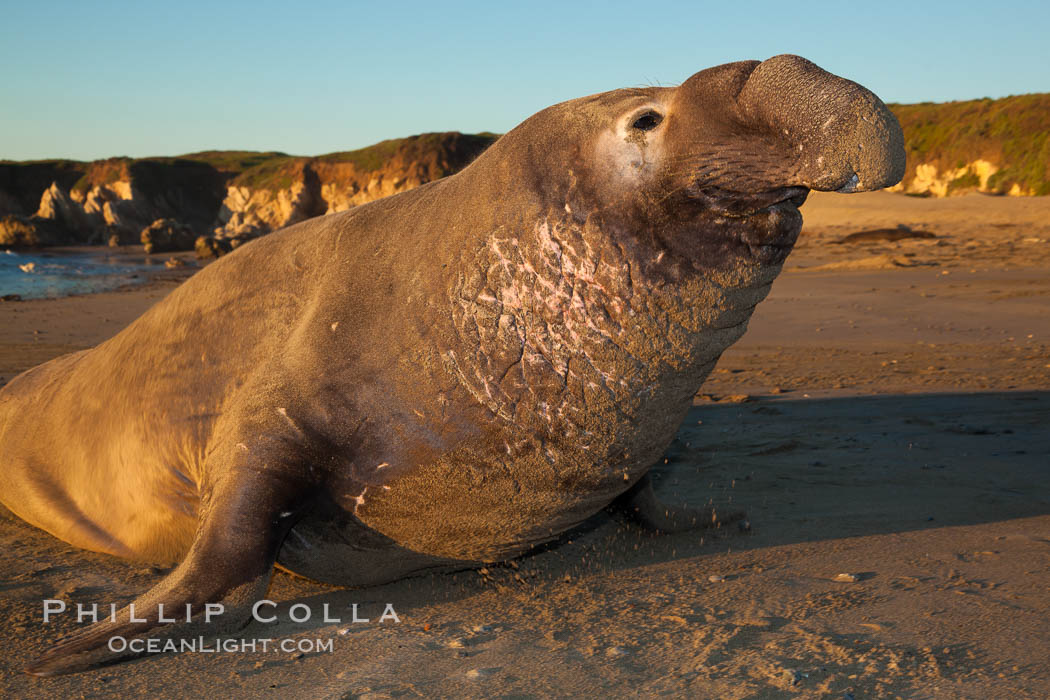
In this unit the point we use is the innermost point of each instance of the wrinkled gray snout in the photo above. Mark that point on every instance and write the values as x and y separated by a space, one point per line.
845 138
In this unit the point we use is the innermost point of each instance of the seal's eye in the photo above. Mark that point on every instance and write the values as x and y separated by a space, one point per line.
648 121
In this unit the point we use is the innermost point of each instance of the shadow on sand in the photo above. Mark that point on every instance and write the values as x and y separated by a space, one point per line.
806 470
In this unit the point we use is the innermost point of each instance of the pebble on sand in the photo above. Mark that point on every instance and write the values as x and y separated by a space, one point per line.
716 578
477 674
846 578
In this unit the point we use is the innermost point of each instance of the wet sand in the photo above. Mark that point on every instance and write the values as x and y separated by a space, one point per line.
887 416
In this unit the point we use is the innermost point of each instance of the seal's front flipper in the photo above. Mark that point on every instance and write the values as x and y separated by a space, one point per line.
641 505
240 530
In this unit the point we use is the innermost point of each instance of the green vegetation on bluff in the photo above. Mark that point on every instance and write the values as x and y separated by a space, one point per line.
276 173
412 148
233 162
450 151
1012 133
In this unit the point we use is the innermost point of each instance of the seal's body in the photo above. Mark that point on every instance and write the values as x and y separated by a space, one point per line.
447 376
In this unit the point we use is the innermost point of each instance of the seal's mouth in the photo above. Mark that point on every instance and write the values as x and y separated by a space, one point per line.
747 204
730 227
769 234
761 226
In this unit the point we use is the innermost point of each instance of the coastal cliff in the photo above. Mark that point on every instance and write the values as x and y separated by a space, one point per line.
217 199
994 146
283 191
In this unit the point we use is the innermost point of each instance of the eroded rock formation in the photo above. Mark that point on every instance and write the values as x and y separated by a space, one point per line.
223 196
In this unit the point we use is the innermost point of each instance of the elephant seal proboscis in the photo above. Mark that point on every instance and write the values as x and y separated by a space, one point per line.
445 377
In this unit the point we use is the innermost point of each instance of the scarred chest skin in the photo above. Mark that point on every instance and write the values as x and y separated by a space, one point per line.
585 354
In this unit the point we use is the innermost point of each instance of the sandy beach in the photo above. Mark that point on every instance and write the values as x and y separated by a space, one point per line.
886 416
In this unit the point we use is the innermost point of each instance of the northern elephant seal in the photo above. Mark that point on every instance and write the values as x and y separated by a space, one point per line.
444 377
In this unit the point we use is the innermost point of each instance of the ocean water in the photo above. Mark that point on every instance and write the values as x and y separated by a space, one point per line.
39 275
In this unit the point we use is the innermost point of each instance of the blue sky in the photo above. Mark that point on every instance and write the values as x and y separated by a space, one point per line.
90 80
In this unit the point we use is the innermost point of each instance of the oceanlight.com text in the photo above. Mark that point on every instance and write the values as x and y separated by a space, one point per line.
221 645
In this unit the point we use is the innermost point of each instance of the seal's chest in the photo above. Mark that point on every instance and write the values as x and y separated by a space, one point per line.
588 369
510 489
